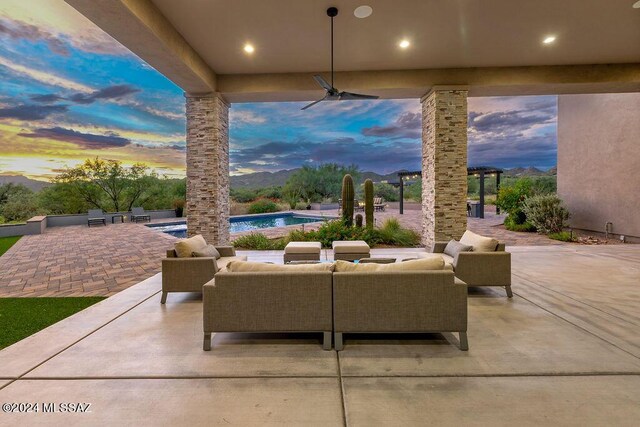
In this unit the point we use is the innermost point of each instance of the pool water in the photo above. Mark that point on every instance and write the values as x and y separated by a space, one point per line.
244 223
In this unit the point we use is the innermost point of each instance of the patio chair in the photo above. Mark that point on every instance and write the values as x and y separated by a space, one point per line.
138 214
378 204
96 217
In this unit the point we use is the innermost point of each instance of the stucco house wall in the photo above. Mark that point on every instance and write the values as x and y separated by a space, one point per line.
599 161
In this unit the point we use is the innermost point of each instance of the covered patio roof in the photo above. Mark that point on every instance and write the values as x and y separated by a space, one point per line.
495 47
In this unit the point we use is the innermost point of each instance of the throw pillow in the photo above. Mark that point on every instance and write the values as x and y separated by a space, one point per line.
186 247
250 266
209 251
453 248
346 266
422 264
479 243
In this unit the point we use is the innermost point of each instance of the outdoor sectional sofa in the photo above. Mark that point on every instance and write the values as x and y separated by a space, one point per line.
268 301
371 298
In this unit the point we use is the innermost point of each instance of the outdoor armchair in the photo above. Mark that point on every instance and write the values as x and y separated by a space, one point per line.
189 274
95 217
138 214
480 268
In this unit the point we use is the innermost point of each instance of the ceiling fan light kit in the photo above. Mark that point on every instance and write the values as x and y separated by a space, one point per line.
331 93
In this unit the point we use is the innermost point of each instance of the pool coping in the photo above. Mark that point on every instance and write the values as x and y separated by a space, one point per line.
238 218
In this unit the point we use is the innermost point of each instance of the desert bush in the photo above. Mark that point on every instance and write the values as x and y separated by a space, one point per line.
413 191
510 199
258 241
546 213
20 207
243 195
274 192
301 206
263 206
563 236
511 225
392 233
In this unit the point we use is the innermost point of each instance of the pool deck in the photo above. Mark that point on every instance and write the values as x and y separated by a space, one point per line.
102 261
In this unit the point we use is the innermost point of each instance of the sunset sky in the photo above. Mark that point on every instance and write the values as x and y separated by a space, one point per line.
69 92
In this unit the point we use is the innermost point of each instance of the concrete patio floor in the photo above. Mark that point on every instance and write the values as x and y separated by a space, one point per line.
564 351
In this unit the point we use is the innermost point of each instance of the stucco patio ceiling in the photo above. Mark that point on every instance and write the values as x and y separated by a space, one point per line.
484 44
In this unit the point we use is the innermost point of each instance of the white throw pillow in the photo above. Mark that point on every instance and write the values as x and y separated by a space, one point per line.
479 243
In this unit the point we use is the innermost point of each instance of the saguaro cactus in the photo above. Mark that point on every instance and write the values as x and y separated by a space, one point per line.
359 221
347 199
368 202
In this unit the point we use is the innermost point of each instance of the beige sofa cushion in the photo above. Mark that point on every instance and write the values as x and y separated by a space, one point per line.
209 251
350 247
303 248
249 266
448 260
346 267
225 260
479 243
186 247
422 264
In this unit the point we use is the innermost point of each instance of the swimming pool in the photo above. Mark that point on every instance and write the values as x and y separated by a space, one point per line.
245 223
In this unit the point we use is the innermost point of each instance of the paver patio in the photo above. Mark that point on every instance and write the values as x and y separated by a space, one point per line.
540 356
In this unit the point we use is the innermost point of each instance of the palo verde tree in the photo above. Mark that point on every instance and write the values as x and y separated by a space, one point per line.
108 185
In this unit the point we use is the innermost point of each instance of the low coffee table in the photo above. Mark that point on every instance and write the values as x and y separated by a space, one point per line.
113 218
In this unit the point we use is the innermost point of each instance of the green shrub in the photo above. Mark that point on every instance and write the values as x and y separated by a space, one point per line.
563 236
511 225
270 192
413 191
392 233
258 241
263 206
243 195
301 206
546 213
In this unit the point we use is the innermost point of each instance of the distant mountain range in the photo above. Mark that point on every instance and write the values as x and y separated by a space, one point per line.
269 179
530 171
31 184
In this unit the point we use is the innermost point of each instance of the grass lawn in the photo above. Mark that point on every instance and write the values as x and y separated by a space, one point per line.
7 242
21 317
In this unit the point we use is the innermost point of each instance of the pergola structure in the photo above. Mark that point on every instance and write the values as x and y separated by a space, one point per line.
452 50
480 171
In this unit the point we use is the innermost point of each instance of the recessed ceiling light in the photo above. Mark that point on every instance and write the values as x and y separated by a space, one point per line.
549 39
404 44
363 11
249 48
636 5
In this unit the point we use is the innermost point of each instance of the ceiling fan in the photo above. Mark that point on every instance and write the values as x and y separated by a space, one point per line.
333 94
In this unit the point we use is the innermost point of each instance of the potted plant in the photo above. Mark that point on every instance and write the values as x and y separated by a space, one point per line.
178 205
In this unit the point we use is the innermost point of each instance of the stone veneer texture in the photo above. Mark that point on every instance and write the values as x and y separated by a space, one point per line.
208 167
444 165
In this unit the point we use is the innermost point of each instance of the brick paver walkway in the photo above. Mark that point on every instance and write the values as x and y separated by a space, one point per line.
81 261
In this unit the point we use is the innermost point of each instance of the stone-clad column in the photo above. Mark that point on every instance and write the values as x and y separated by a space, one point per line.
444 165
208 167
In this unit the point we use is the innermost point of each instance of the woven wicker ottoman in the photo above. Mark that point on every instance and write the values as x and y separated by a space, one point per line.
350 250
302 251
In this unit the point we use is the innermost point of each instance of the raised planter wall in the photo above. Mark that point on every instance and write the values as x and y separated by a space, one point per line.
324 206
38 224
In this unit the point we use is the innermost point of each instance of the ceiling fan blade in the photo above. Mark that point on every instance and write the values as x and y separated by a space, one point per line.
314 102
349 95
322 82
